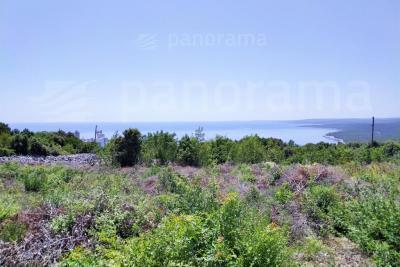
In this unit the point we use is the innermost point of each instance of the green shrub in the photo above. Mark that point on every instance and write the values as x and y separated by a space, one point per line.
276 173
80 257
168 180
205 156
245 173
372 221
230 218
12 231
221 149
20 144
8 207
4 128
5 140
318 200
250 150
253 196
312 247
152 170
284 193
189 151
37 148
62 223
178 241
191 196
390 149
6 152
159 146
34 179
9 170
264 246
128 147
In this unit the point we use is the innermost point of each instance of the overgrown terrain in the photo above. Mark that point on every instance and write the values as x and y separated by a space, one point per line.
158 201
222 215
15 142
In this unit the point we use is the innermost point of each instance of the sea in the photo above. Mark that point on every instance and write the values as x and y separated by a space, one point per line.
300 132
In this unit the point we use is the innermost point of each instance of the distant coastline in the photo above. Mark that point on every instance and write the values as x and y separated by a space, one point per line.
358 130
329 136
300 131
284 130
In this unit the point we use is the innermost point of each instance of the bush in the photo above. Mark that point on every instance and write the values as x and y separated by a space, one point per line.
250 150
159 146
20 144
5 140
264 246
127 148
221 149
37 148
168 181
7 207
312 247
34 179
178 241
6 152
276 173
230 217
390 149
12 231
205 154
284 193
245 173
319 200
189 151
372 221
62 223
4 128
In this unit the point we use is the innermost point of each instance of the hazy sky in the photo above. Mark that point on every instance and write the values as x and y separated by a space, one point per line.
91 60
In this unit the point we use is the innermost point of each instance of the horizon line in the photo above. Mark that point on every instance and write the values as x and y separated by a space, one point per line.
207 121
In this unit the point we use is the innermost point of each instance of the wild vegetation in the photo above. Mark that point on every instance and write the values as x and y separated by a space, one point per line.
15 142
237 215
164 148
190 202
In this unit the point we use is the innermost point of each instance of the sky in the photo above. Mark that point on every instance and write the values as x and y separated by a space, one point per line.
177 60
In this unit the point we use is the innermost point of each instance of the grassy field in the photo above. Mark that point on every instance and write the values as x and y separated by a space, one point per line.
223 215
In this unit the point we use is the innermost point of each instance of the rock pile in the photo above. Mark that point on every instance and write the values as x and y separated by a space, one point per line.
72 160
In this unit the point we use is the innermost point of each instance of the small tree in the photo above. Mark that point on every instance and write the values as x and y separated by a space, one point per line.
160 146
221 149
189 151
37 148
128 148
250 150
20 144
199 134
4 128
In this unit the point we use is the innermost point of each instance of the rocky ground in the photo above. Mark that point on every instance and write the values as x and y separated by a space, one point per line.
76 160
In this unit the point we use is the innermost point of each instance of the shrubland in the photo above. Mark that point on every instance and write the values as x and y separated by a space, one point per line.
191 202
222 215
164 148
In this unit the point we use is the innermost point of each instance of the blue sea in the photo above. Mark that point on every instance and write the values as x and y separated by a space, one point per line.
301 133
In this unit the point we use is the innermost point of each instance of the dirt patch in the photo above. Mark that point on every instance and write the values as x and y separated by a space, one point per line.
341 252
